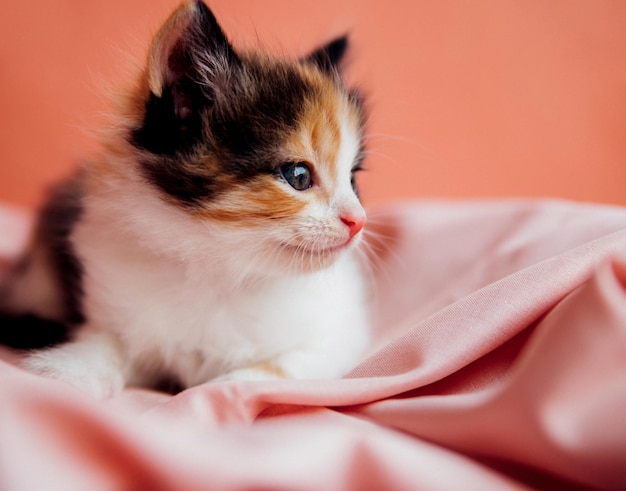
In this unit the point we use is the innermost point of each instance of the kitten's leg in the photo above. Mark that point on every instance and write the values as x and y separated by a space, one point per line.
93 363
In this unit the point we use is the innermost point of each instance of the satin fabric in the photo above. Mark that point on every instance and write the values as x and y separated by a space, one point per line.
498 361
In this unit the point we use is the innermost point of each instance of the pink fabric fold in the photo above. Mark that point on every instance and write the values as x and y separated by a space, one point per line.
499 362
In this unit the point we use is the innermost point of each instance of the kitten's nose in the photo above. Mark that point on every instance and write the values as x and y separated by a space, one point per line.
354 222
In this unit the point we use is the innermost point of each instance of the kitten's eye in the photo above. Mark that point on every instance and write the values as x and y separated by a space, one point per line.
356 169
297 174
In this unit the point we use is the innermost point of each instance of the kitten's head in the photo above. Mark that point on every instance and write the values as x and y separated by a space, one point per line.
258 147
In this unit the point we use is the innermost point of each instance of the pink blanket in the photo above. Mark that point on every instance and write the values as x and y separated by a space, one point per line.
499 363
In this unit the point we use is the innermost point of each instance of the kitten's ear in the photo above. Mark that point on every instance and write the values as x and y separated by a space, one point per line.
188 63
328 58
189 42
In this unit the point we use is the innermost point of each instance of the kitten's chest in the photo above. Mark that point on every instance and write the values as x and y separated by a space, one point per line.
161 311
177 311
218 333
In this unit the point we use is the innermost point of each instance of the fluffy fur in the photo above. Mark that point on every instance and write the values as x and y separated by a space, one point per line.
215 235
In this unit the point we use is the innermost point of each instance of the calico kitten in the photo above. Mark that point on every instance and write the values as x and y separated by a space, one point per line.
214 236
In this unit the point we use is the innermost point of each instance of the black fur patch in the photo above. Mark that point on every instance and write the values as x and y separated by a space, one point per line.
328 57
242 134
248 133
186 182
165 131
56 221
31 332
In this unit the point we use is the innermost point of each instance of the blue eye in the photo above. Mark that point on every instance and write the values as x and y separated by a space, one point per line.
297 174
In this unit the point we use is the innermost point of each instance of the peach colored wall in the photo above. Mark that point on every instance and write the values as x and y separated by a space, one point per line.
468 99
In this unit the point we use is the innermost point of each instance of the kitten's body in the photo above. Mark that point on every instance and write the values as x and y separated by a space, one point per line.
214 237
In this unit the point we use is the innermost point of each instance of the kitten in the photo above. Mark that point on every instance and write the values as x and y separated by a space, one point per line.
215 235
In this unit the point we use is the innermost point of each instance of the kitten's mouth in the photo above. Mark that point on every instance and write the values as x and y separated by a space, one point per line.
306 250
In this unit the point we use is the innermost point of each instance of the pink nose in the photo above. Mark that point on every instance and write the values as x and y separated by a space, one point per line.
354 223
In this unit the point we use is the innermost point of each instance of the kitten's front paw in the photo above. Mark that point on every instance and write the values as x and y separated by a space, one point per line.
96 379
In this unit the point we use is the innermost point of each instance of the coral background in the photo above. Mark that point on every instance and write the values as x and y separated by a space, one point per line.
488 98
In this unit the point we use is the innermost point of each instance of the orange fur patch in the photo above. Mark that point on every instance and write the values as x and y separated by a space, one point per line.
319 137
258 200
270 368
